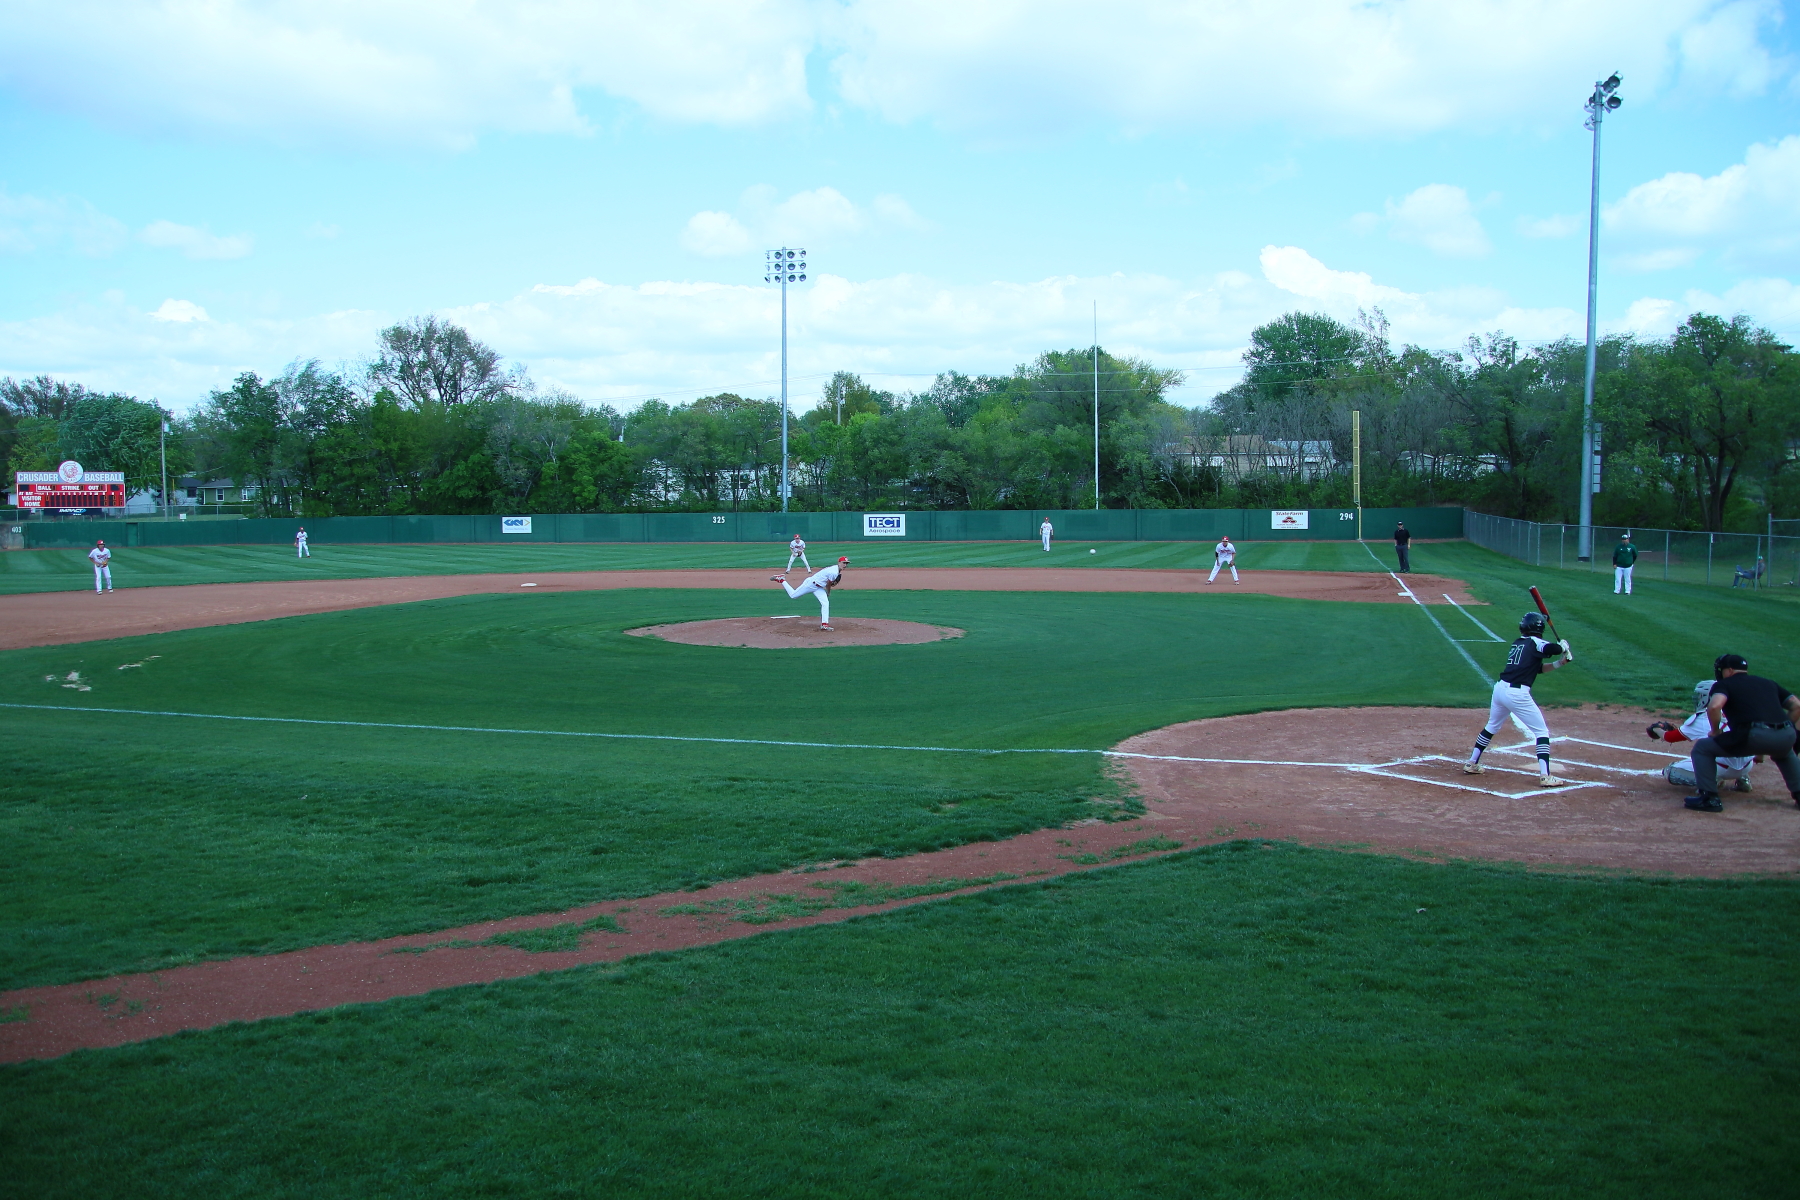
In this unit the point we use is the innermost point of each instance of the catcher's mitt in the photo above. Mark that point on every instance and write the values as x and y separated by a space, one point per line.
1656 729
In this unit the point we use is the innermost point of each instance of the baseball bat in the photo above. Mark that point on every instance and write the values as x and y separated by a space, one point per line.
1537 598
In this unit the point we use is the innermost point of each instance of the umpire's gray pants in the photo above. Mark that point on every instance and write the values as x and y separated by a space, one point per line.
1776 744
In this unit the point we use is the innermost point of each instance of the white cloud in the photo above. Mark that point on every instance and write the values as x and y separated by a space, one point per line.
1725 52
1559 225
1337 66
715 234
813 219
180 310
29 223
405 70
194 243
1750 211
412 71
1440 218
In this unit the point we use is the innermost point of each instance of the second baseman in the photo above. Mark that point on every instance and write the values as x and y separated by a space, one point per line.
796 549
1224 555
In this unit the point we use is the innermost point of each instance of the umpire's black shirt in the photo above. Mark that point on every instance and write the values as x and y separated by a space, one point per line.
1750 700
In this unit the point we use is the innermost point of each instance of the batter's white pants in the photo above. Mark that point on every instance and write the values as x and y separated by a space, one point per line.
1046 543
823 593
1516 702
1222 563
802 557
300 550
1622 578
102 575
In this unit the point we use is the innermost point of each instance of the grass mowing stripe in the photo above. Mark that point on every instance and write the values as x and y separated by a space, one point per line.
1432 617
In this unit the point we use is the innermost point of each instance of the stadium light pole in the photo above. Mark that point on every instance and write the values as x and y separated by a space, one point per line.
1603 101
784 266
1096 406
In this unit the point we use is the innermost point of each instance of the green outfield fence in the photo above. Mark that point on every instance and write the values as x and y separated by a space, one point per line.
1106 525
1674 554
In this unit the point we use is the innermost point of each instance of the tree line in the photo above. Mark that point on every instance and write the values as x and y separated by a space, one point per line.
1699 430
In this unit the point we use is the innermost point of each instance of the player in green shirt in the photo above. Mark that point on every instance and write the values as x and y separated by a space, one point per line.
1624 558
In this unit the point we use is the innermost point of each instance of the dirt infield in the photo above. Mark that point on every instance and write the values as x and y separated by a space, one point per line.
59 618
1382 780
1403 791
798 633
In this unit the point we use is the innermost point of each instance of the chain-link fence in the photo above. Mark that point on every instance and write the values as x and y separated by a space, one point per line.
1727 559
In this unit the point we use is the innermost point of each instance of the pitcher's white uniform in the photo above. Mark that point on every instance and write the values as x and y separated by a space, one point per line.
1045 531
1224 555
300 550
819 584
102 572
797 549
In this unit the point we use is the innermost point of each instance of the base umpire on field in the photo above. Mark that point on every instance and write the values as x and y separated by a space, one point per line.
1760 714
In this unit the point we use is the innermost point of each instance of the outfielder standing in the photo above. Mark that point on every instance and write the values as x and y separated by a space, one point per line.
1624 558
300 550
1512 696
1224 555
102 571
1045 531
819 583
796 549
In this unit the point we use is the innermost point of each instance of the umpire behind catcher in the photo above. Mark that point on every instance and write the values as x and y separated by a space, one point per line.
1761 715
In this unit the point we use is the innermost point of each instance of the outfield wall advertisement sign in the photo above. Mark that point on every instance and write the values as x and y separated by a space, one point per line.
1288 518
884 524
515 524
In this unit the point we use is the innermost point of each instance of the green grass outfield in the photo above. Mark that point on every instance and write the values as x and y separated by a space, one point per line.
1245 1022
69 570
1241 1021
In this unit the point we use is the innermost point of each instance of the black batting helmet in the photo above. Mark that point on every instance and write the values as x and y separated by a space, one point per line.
1531 624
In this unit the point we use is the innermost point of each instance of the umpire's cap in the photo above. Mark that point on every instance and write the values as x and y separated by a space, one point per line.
1729 662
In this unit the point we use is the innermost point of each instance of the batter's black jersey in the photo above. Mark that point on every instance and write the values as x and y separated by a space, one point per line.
1525 660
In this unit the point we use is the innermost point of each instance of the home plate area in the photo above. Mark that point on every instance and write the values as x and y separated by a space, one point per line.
1390 780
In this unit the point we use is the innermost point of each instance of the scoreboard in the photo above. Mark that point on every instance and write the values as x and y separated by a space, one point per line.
70 486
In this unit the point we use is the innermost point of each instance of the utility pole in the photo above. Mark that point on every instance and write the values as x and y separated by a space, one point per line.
1603 101
784 266
1096 406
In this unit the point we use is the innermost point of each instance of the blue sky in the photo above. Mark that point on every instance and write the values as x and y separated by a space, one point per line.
192 189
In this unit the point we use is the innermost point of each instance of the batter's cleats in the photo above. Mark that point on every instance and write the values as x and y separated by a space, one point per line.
1552 781
1742 785
1705 802
1473 769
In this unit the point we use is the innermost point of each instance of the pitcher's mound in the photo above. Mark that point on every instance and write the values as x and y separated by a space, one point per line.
797 633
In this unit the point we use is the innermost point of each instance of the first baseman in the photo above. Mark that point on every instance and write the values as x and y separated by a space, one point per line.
796 549
1512 695
1046 531
102 571
819 583
1224 555
300 550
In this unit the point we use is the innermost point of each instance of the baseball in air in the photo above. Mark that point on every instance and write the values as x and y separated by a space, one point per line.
1093 552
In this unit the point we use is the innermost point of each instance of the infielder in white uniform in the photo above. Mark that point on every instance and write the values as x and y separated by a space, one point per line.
102 572
1681 774
796 549
819 583
300 550
1046 531
1525 659
1224 555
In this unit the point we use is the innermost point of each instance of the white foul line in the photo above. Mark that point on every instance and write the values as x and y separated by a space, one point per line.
1430 616
1492 636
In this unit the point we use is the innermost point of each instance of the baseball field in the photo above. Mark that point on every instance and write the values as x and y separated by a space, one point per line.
1156 999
